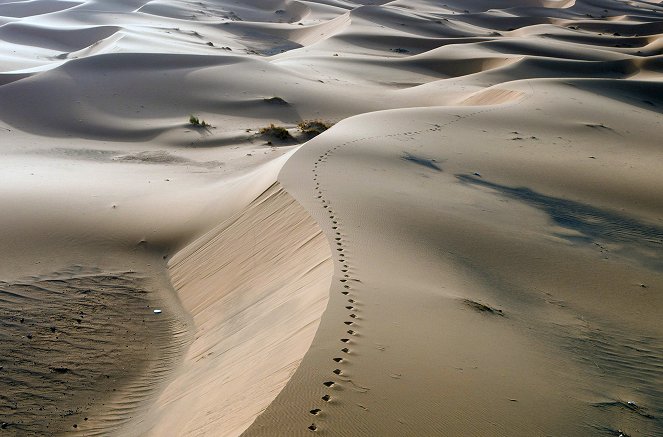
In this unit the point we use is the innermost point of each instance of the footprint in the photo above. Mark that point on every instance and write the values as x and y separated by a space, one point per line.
337 371
345 340
328 384
349 323
312 427
351 332
338 360
315 411
349 307
345 350
326 398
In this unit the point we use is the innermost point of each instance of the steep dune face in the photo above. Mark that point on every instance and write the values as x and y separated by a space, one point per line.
255 287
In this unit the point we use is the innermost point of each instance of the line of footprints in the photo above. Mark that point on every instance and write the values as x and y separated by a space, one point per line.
340 248
345 268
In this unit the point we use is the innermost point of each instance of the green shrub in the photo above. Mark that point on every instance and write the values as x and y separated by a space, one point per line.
313 127
278 132
276 101
195 121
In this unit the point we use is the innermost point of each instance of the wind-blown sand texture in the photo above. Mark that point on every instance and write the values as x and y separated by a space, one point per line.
487 208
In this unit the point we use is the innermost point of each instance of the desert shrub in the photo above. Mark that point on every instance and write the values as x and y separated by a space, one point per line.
195 121
276 101
278 132
313 127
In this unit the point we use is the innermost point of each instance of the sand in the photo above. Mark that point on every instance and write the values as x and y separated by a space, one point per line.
474 247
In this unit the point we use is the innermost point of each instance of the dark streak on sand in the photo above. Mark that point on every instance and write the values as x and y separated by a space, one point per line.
632 239
479 307
429 163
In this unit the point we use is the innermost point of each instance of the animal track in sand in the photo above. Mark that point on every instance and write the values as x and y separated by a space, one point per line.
341 246
341 242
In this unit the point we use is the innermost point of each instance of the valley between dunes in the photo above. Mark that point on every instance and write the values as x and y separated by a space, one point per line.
473 248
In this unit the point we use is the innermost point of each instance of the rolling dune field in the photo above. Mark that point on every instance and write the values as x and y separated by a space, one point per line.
328 217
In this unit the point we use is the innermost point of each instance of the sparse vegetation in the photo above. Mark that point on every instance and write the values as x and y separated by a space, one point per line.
278 132
276 100
195 121
313 128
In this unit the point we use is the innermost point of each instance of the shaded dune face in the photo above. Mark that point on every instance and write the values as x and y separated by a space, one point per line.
24 9
66 39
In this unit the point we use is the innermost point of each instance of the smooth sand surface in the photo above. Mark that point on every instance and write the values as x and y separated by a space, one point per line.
487 209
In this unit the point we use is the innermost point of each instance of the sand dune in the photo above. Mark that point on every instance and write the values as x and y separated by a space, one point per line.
256 287
524 330
486 207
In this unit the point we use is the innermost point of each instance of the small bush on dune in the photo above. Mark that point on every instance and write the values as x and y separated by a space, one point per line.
313 127
278 132
195 121
276 101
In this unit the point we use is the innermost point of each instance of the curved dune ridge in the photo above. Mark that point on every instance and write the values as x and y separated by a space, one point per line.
485 209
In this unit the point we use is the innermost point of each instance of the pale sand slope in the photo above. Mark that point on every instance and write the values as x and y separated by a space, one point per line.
524 301
559 236
255 287
103 180
82 270
101 172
